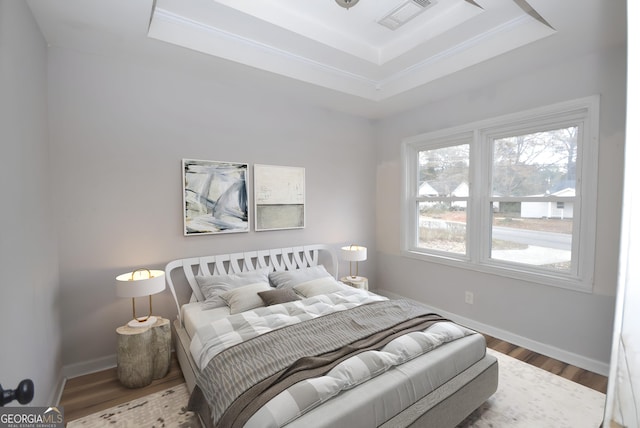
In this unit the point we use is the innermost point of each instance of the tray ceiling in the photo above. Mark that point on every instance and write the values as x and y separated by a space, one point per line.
348 50
317 52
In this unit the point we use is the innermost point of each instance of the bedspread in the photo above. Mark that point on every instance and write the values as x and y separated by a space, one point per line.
308 394
237 379
213 338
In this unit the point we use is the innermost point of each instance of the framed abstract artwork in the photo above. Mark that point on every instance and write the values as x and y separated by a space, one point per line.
279 197
215 197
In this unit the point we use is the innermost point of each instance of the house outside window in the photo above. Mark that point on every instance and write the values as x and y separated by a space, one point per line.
513 195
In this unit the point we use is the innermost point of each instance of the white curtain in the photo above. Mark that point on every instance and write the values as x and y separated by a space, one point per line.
623 395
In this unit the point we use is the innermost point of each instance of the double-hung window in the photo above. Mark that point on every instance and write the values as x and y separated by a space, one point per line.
513 195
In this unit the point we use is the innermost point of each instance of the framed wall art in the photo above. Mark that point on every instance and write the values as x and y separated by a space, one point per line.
279 197
215 197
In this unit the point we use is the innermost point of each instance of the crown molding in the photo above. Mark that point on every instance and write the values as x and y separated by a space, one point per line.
363 79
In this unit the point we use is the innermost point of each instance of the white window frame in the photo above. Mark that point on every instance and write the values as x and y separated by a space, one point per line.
585 113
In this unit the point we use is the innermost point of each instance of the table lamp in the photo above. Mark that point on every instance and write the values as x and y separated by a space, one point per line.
353 253
140 283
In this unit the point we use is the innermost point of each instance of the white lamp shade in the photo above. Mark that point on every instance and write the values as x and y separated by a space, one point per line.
353 253
140 283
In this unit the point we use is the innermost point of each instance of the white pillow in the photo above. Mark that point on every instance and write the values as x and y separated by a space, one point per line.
245 298
214 285
320 286
291 278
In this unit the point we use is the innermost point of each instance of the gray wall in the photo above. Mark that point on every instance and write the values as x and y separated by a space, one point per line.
571 325
29 298
119 129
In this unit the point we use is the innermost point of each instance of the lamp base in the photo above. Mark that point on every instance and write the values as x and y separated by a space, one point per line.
147 323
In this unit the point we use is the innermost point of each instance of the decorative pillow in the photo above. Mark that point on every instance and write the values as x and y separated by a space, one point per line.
277 296
244 298
291 278
213 285
320 286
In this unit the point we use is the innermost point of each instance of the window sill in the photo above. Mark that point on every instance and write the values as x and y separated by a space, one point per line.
506 270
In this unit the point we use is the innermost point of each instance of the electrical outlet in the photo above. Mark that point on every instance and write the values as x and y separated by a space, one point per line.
468 297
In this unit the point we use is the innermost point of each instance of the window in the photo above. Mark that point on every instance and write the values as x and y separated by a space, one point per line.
442 213
513 195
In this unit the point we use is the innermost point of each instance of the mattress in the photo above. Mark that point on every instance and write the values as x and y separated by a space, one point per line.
383 396
196 314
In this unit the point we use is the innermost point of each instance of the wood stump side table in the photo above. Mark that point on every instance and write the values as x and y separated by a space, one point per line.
144 353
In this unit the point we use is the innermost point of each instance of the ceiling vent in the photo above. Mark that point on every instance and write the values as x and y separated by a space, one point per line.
403 13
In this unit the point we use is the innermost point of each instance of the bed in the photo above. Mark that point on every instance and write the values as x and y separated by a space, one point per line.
271 338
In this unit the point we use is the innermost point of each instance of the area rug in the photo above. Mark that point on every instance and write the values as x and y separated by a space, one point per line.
162 409
527 397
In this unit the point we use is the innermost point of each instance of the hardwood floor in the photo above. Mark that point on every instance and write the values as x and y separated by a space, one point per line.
567 371
84 395
94 392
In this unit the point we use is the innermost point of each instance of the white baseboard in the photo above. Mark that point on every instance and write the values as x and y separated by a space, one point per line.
539 347
56 394
78 369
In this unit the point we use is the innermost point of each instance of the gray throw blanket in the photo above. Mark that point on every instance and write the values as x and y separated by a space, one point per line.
239 380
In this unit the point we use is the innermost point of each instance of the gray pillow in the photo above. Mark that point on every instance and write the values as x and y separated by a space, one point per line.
277 296
214 285
291 278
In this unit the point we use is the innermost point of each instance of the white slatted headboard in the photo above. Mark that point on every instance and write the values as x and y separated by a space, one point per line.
278 259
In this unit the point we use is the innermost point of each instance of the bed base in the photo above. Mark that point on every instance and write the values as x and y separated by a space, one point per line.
181 344
453 401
